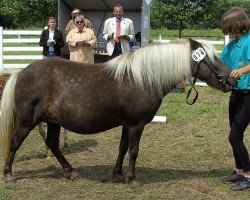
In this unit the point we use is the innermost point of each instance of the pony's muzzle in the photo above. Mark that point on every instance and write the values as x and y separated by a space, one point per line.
232 83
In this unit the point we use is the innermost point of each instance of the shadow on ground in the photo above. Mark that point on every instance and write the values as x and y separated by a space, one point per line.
75 147
102 173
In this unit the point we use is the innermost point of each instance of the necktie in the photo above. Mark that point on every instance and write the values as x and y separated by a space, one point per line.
118 30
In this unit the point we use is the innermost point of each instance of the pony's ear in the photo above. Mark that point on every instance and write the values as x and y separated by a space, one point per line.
194 44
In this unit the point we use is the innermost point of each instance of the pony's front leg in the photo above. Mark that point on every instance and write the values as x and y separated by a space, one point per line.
123 148
135 133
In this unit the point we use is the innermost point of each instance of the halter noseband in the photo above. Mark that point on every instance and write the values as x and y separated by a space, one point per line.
198 55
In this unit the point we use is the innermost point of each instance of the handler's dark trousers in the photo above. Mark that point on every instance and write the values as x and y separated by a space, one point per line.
117 50
239 117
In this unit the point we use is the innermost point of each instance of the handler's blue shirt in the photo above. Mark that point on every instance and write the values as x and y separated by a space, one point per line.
236 55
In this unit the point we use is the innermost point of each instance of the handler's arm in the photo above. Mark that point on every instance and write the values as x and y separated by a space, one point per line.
70 40
237 73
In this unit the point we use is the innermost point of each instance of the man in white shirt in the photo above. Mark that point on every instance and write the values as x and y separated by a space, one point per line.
118 31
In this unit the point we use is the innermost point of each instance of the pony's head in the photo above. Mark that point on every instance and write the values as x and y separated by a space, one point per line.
206 65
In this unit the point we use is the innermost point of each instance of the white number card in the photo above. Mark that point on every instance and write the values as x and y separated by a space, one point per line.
198 54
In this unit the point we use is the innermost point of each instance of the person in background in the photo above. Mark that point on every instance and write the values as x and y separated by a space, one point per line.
71 24
236 55
118 31
81 41
51 40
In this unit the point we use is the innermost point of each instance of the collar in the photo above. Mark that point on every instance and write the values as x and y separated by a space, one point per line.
82 31
242 40
51 31
118 19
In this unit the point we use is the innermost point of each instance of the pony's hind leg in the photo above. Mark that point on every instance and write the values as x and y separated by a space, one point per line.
43 134
123 148
52 142
21 133
65 138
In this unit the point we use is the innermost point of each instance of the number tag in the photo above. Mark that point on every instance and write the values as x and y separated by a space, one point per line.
198 54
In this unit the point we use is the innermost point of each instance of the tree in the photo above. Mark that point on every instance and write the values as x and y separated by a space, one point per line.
182 14
28 13
175 14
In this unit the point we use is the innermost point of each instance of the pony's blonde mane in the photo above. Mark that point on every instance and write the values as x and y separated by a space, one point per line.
159 66
210 50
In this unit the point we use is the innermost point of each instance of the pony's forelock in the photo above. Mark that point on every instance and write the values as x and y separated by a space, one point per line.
210 50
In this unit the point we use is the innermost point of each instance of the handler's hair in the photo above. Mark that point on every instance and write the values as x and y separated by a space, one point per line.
235 21
51 17
118 6
80 17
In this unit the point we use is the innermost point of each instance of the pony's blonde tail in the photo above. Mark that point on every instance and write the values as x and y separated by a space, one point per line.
8 120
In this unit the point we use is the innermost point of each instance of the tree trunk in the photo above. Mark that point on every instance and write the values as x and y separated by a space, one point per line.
180 29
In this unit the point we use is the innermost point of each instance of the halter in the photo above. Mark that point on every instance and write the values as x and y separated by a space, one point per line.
198 55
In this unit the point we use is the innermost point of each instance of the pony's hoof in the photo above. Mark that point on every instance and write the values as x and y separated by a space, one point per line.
119 178
9 180
67 175
49 157
75 176
66 145
134 183
72 175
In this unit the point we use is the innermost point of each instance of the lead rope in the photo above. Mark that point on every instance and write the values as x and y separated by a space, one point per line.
192 84
190 90
198 55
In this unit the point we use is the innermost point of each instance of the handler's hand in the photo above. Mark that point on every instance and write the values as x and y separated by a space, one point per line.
80 43
236 73
53 42
110 36
125 37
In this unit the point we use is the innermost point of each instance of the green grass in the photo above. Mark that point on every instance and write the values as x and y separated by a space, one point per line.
215 34
182 159
21 45
21 52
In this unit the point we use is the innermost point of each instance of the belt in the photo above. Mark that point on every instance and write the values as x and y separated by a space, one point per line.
51 53
241 91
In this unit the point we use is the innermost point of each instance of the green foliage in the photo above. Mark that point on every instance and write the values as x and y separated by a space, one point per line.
27 13
194 14
170 14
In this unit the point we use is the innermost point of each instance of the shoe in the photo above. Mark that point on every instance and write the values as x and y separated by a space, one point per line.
232 178
243 185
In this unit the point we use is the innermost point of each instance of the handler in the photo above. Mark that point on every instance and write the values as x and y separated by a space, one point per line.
236 55
81 41
118 31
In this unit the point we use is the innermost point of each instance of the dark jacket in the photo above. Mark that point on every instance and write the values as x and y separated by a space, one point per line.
58 37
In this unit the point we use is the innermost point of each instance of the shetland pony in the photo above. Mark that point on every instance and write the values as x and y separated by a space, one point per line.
126 91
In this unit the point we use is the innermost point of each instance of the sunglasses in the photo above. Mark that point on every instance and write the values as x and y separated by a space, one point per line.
79 22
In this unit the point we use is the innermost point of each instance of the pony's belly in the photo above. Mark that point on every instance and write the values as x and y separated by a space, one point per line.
91 127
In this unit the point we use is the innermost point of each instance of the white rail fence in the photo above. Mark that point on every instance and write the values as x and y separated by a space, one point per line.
23 37
214 42
30 38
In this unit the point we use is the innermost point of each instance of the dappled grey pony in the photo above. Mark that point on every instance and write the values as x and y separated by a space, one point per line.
126 91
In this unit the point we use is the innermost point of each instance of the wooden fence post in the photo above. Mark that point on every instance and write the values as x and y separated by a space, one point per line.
1 47
226 41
